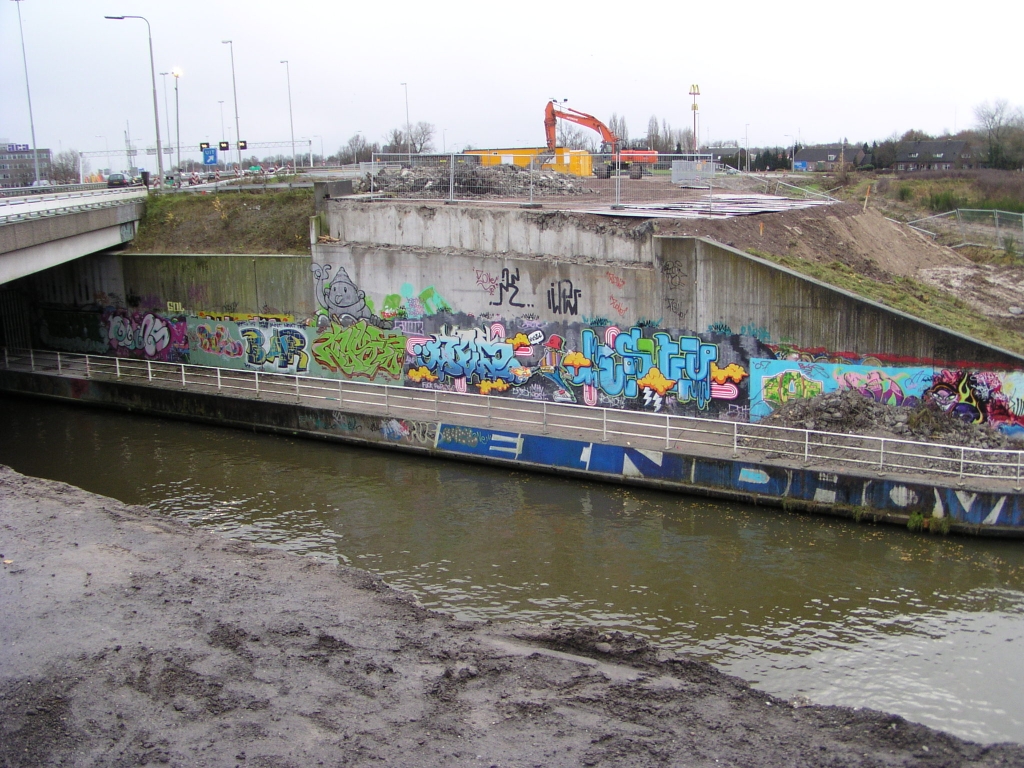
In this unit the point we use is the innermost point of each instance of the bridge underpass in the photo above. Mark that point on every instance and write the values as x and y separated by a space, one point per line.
38 232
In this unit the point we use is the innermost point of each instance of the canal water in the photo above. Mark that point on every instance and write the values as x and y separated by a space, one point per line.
928 627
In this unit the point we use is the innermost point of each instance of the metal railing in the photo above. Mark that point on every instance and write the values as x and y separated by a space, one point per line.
55 204
56 188
829 451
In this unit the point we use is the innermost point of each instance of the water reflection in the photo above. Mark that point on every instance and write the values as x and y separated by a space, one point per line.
925 626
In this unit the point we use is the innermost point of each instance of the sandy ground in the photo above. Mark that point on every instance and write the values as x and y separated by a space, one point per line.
127 639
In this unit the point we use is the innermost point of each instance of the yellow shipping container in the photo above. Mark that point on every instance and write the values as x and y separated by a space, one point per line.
575 161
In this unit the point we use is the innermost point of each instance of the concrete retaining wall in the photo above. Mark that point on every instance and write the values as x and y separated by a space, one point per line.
889 500
488 231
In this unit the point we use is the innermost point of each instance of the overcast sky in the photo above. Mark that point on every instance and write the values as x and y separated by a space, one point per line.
482 72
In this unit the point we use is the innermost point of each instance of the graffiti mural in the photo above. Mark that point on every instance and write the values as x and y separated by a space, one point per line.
360 350
215 341
340 299
146 335
980 397
775 382
276 347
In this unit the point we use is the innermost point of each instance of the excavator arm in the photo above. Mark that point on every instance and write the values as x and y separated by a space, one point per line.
552 112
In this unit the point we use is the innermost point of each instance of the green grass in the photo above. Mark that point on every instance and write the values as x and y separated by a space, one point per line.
908 296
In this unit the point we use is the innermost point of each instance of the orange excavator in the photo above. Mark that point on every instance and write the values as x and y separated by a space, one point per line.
633 159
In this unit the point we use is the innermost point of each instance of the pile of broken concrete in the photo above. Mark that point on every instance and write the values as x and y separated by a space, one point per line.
850 412
470 181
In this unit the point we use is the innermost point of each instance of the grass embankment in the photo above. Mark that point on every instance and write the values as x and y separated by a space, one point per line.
228 222
907 295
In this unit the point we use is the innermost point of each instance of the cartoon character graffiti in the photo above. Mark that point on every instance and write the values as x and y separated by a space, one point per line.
340 299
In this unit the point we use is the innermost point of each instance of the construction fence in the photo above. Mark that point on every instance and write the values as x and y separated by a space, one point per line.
1002 230
539 176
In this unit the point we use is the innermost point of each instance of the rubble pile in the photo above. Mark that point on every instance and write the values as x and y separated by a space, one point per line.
471 181
850 412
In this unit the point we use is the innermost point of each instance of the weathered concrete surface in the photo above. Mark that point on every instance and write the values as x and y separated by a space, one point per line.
488 231
131 640
707 283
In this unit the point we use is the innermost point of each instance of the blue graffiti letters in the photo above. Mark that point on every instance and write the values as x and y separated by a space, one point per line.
474 359
285 349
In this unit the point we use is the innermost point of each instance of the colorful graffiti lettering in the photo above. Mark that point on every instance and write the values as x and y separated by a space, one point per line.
759 333
284 348
360 350
877 385
789 385
466 436
470 358
409 304
563 299
146 335
627 358
218 341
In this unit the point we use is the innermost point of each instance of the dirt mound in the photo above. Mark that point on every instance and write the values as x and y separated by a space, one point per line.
471 181
843 232
849 412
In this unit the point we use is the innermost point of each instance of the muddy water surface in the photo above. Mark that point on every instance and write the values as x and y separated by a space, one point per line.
928 627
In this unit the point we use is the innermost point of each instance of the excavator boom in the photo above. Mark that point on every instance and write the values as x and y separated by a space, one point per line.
552 112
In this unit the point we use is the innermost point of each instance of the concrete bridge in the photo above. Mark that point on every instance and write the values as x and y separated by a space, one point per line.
41 231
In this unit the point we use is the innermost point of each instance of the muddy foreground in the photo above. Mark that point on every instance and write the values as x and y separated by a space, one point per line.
127 639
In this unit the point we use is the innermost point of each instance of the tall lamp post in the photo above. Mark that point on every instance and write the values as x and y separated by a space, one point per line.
28 93
291 122
408 125
234 89
695 92
152 72
167 112
177 115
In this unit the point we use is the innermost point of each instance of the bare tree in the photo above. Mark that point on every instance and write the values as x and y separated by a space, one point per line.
396 140
576 137
998 122
64 167
423 137
617 125
654 138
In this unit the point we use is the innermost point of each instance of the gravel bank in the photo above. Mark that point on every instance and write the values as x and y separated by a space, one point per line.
129 639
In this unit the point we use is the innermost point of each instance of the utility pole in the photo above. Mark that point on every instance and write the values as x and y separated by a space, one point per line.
28 93
234 90
695 92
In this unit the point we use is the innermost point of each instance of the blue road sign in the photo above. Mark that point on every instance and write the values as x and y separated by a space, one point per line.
210 156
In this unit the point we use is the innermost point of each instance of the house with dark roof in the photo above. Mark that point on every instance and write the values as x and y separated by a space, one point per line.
828 157
935 155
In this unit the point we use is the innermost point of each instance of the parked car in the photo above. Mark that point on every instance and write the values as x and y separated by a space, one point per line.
118 180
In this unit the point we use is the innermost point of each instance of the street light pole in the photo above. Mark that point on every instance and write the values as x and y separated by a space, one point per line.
408 125
177 115
234 89
152 73
28 93
291 122
167 113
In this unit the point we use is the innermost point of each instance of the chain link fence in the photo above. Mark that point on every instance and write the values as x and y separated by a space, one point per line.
1001 230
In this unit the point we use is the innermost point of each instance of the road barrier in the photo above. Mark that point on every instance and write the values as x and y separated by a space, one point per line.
658 431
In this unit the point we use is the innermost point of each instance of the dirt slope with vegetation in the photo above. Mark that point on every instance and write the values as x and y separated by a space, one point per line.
230 222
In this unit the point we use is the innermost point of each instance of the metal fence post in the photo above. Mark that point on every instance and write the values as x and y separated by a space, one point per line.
149 370
604 425
183 384
544 405
807 446
488 411
117 366
32 358
341 392
881 455
218 379
668 427
735 436
451 179
963 452
1018 471
58 362
298 397
387 404
435 403
618 178
88 373
257 384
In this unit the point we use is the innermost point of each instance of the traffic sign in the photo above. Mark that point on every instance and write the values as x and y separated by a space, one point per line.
243 145
204 145
209 156
224 146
